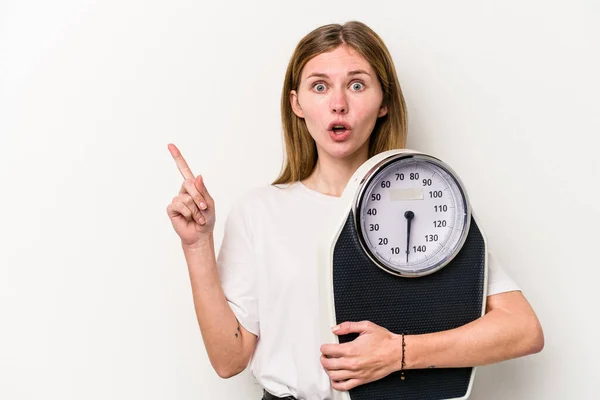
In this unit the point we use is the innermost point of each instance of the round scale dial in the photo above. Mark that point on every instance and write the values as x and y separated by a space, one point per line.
412 214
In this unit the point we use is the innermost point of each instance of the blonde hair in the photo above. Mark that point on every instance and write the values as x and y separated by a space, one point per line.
389 131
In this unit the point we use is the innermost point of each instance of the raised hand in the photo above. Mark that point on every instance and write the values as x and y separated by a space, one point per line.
192 211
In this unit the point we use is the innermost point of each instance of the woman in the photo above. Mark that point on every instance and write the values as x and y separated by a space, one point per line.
257 301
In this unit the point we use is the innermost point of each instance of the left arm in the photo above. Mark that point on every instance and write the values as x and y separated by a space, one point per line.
508 329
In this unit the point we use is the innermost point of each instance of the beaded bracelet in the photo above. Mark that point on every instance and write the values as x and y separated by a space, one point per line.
402 362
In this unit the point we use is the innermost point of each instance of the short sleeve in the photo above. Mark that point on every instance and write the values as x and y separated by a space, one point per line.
498 279
235 263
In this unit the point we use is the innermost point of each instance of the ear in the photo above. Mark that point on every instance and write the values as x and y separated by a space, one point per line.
382 111
295 104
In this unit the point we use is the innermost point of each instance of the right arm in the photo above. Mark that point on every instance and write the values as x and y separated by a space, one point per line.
228 344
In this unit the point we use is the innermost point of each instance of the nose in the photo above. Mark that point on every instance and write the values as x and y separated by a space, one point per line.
338 103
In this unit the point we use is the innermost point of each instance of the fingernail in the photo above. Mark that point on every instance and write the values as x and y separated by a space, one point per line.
203 205
335 328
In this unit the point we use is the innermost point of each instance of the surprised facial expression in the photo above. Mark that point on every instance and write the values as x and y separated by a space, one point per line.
340 99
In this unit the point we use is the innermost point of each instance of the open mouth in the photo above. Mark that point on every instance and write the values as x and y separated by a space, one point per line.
339 128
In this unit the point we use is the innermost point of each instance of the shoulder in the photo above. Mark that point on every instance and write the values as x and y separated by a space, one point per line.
265 198
266 195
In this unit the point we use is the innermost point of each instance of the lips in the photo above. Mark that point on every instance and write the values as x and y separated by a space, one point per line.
339 131
338 126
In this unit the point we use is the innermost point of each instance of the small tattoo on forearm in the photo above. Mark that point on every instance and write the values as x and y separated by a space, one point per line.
432 366
238 331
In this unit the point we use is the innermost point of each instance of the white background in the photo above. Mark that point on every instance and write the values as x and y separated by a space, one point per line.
95 301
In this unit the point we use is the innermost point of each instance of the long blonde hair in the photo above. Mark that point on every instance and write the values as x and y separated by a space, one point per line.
389 131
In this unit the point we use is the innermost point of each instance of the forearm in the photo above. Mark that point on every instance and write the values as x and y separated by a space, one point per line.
496 336
218 324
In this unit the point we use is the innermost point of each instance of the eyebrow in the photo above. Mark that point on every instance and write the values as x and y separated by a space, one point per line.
351 73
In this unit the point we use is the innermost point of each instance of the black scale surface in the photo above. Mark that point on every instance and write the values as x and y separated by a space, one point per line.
446 299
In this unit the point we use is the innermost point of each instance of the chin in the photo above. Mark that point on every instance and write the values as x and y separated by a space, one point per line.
341 151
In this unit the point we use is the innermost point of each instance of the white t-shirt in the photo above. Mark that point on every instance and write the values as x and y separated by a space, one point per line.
268 264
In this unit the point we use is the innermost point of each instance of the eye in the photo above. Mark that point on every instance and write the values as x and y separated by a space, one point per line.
357 86
319 87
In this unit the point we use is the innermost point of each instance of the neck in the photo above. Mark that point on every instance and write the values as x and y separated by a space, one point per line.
331 175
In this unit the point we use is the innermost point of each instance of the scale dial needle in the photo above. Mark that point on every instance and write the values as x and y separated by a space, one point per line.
409 215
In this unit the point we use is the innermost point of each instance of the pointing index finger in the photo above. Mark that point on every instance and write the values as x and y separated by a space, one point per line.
185 170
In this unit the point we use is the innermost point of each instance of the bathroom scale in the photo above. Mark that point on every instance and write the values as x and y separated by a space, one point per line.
404 251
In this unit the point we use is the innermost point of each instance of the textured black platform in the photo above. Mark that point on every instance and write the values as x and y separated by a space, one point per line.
446 299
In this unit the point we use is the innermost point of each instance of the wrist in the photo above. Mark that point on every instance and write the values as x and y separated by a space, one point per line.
407 352
202 244
399 350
